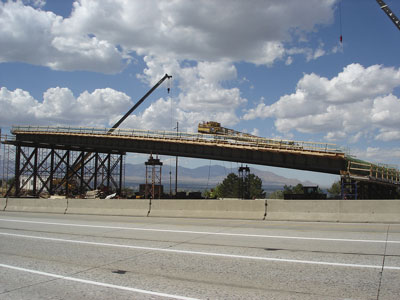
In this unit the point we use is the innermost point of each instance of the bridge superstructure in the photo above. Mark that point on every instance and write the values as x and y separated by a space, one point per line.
309 156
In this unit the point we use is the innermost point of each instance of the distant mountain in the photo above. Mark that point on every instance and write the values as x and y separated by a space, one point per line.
204 177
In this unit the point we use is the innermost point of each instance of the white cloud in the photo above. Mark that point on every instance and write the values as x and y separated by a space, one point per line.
41 38
202 30
16 107
289 60
35 3
98 35
196 41
378 154
200 97
60 107
356 101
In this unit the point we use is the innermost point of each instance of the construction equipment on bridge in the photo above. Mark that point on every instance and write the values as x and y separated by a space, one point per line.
212 127
216 129
389 13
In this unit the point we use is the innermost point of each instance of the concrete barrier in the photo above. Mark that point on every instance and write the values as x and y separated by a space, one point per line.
36 205
378 211
374 211
226 209
114 207
303 210
3 202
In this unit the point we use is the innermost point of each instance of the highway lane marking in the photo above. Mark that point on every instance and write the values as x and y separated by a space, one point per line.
225 255
102 284
203 232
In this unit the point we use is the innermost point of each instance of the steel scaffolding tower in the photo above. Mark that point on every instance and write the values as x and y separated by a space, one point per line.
65 172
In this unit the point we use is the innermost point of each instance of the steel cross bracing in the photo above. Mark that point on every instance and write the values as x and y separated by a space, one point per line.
52 171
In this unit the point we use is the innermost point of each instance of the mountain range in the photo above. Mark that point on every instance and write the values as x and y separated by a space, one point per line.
200 178
205 177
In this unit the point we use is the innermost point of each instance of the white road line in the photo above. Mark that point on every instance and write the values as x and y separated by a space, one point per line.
261 258
108 285
203 232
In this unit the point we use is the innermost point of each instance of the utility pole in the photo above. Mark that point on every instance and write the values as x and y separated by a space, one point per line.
170 183
176 164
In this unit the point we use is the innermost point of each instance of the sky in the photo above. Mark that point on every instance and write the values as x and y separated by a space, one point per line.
274 68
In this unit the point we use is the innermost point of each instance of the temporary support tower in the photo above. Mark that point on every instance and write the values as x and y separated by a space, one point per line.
153 188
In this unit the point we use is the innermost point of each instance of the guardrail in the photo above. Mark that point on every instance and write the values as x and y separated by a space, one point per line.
6 137
183 136
379 172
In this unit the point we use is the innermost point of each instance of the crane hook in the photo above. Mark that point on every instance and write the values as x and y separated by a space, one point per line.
169 84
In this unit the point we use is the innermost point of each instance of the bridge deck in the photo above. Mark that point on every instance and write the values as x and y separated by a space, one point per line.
320 157
196 138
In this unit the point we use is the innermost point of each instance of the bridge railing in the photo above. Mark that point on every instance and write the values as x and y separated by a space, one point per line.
379 172
259 142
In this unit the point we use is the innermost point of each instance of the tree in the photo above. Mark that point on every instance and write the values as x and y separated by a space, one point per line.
298 189
230 187
276 195
210 194
335 190
256 190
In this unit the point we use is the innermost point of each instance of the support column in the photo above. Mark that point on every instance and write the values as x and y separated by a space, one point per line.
120 173
67 175
82 163
108 171
17 178
35 171
51 175
96 169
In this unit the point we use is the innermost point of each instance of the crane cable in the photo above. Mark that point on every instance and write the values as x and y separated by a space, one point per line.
340 23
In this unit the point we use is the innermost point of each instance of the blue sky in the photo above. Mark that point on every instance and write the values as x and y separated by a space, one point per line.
272 68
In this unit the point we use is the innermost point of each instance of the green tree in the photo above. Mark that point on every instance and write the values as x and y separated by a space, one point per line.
210 194
256 190
298 189
336 189
230 187
276 195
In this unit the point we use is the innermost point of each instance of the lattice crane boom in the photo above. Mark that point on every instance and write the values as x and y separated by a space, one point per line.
389 13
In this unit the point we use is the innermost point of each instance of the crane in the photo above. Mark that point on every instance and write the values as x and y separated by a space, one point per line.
79 164
116 125
389 13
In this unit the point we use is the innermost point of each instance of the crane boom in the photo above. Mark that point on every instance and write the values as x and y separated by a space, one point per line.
166 76
389 13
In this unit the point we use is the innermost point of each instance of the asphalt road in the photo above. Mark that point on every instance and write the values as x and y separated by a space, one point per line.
45 256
